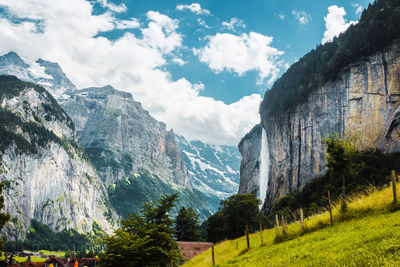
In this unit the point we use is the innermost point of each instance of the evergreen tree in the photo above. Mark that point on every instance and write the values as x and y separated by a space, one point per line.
144 239
187 226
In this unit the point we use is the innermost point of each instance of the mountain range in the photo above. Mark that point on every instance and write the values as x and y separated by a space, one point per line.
103 147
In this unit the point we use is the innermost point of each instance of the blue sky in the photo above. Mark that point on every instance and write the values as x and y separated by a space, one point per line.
271 18
202 67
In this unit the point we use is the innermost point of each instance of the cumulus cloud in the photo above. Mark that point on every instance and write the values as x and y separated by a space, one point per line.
178 61
113 7
71 35
233 24
194 7
335 23
240 54
302 17
281 16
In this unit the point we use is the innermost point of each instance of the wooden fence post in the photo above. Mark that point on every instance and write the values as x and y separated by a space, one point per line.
301 220
247 236
261 233
277 224
394 187
330 207
212 254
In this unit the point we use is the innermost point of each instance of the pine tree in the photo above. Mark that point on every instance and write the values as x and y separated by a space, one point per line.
187 226
144 239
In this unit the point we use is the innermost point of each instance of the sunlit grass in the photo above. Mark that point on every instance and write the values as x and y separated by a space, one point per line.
60 254
367 234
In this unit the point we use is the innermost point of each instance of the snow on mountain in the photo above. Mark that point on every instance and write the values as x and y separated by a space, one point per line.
45 73
214 170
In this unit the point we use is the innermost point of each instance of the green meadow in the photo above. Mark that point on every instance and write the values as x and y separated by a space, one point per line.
367 234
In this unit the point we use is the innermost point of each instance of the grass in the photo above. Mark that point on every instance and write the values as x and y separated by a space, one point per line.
37 259
367 235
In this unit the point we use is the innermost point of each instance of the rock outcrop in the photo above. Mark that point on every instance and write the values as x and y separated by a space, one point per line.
45 73
121 137
362 102
250 149
48 178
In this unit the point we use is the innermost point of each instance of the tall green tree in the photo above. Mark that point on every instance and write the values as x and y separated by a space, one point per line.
144 239
340 155
187 227
236 211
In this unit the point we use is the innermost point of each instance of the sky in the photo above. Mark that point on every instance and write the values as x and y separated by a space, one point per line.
201 67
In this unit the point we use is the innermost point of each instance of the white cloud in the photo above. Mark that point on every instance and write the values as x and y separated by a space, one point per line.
203 23
70 36
281 16
127 24
359 8
178 61
302 17
240 54
113 7
233 24
335 23
194 7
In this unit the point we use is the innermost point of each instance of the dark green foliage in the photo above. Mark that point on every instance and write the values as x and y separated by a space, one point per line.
11 86
105 158
372 168
144 239
377 28
127 195
187 226
37 134
41 236
236 211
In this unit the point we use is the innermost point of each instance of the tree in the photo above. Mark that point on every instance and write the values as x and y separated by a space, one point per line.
144 239
187 226
236 211
4 218
341 153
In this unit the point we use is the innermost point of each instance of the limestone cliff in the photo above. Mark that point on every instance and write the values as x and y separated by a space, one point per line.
137 158
121 137
47 175
363 101
250 149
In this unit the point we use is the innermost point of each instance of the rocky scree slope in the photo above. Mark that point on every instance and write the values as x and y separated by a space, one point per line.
48 177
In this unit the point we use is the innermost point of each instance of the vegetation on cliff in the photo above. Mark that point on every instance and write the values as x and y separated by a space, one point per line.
359 169
377 28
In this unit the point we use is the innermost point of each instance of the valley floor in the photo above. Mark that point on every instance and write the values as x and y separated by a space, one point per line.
369 237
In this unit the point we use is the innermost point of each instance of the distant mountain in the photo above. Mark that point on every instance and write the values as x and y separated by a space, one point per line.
42 72
214 170
48 177
137 158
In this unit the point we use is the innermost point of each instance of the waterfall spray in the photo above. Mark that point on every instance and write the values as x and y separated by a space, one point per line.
264 167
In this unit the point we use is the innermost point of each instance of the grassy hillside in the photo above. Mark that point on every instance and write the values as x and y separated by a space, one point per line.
366 235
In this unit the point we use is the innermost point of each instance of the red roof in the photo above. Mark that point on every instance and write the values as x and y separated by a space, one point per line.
191 249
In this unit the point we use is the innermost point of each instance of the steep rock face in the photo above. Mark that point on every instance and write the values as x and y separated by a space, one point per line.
213 170
121 137
137 158
42 72
47 175
362 102
250 149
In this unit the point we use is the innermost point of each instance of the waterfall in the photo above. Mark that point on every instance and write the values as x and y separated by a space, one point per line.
264 167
